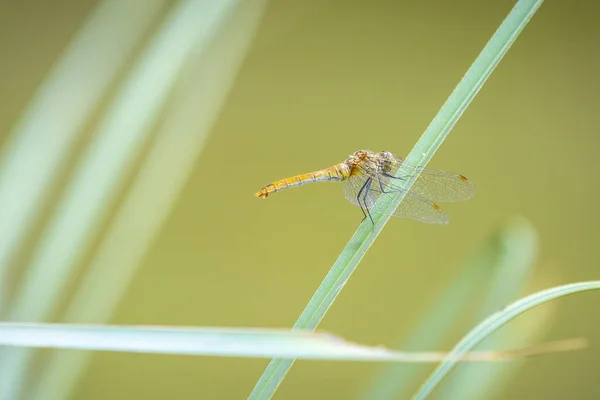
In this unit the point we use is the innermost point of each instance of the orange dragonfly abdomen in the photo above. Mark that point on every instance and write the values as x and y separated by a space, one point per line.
338 172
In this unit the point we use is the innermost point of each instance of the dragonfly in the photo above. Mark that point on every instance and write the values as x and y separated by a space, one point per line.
368 176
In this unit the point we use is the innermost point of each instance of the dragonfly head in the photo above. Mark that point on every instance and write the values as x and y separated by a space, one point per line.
387 160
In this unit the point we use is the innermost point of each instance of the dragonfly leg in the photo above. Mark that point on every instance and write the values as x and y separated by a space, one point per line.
365 209
358 200
381 186
367 188
392 177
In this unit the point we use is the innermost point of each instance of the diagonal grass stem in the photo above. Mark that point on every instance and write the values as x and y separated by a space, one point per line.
423 151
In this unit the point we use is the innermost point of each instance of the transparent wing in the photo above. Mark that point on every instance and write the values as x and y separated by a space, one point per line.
363 190
419 209
354 191
432 184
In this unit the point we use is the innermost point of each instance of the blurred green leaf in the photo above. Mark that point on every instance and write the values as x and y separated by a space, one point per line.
517 247
495 321
118 141
489 381
38 148
197 99
505 261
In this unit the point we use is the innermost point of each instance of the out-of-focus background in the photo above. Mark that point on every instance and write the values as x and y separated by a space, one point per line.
313 82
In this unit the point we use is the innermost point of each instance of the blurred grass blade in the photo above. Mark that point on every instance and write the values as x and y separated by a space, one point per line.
517 251
39 145
117 142
507 256
517 257
495 321
420 155
198 99
236 342
488 380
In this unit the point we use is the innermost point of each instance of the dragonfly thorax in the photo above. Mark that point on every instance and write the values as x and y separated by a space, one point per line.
361 160
371 162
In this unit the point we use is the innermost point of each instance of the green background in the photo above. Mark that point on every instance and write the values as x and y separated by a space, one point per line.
321 80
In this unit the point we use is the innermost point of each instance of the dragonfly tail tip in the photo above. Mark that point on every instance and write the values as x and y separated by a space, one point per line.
261 193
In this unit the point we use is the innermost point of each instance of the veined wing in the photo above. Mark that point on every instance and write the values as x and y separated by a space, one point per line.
363 190
432 184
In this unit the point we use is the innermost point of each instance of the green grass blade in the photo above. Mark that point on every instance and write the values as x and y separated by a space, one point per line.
420 155
487 381
505 260
516 261
198 98
233 342
495 321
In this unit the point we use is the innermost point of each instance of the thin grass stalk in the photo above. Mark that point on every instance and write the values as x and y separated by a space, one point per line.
420 155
